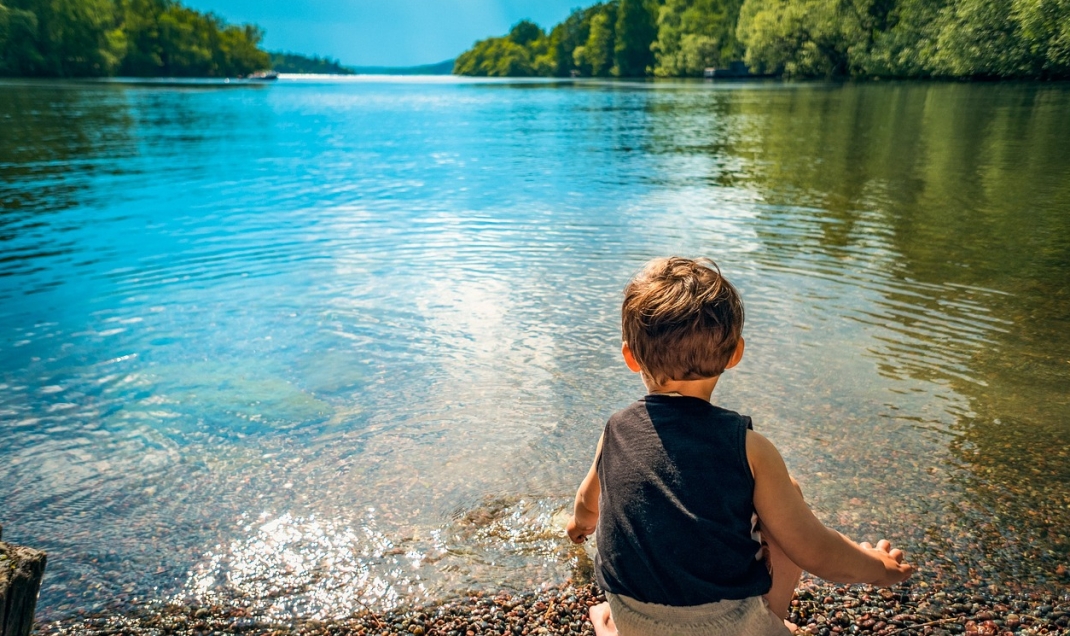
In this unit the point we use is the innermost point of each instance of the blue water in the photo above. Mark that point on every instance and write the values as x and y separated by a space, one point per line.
354 340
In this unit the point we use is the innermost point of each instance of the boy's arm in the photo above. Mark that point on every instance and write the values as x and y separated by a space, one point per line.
584 517
787 519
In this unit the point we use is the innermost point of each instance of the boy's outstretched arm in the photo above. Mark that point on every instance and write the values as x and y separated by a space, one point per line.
787 519
584 517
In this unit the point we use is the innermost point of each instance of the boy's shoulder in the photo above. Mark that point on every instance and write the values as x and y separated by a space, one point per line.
670 406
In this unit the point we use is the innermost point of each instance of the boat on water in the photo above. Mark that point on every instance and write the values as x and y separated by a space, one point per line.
263 76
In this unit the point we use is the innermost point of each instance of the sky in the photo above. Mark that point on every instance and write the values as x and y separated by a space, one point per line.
385 32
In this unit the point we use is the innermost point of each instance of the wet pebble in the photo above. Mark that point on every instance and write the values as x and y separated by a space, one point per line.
819 610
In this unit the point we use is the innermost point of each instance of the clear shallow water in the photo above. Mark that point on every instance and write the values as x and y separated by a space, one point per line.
354 341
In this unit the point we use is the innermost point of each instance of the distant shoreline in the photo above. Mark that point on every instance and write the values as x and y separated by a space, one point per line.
440 68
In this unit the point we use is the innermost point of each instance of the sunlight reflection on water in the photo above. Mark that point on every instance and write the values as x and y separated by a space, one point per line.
289 566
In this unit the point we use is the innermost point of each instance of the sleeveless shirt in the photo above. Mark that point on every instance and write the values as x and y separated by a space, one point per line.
675 515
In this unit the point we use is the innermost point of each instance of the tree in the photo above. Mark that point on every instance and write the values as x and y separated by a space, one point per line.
295 63
696 34
18 42
904 42
70 38
525 32
983 39
797 37
596 56
1045 26
495 57
238 53
569 35
802 38
636 30
78 38
139 24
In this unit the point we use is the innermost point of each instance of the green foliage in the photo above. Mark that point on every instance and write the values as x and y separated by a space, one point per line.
18 42
636 31
596 56
798 38
525 32
905 44
1003 38
525 52
438 68
586 43
567 36
294 63
86 38
495 57
63 38
694 35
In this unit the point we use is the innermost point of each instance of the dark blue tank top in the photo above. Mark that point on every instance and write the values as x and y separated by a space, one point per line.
675 516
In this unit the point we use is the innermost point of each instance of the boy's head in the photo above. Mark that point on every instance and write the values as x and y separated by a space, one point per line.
681 319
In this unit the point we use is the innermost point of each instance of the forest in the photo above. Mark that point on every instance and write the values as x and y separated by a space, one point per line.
297 63
969 39
134 38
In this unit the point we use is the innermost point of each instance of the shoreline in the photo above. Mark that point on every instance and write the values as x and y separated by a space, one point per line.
819 609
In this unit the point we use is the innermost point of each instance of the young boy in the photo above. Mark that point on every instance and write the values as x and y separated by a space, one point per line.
679 486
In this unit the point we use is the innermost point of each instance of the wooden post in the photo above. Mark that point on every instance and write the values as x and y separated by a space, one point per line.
21 570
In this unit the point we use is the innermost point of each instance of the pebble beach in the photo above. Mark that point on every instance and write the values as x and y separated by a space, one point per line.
819 609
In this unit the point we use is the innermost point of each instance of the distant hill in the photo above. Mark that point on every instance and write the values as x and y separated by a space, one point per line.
442 68
295 63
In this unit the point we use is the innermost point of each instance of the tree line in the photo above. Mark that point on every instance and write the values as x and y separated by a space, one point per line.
297 63
138 38
981 39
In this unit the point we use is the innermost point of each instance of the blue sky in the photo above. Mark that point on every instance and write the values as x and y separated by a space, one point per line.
385 32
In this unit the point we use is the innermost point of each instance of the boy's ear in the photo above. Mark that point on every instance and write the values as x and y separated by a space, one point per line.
629 358
737 355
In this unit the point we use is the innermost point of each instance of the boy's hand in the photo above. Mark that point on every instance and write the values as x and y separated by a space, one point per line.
895 571
578 533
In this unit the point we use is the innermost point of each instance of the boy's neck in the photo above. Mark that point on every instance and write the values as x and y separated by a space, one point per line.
701 389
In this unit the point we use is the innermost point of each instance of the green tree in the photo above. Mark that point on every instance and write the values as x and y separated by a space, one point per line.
798 37
696 34
904 42
238 52
525 32
1045 26
495 57
522 53
71 37
78 38
596 55
295 63
140 26
185 43
803 38
636 30
18 42
987 39
567 36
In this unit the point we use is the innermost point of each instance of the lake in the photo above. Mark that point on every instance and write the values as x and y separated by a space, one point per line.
329 344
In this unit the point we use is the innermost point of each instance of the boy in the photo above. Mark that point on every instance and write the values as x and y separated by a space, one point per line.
678 485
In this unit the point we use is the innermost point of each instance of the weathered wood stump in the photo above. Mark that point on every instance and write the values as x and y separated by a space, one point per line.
21 570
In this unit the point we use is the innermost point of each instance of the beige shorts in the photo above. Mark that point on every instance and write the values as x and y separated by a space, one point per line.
748 617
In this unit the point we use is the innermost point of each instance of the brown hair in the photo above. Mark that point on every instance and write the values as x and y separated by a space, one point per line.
681 319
